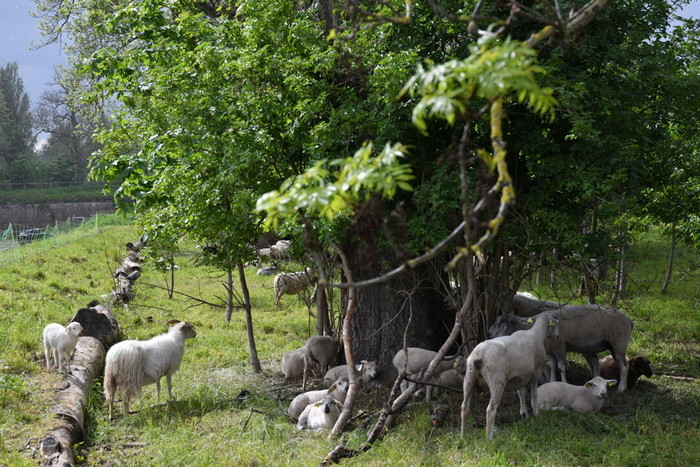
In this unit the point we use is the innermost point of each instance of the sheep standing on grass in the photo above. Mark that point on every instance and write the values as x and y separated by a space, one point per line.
338 391
291 283
60 342
319 352
587 329
586 398
508 363
320 415
132 364
293 363
418 360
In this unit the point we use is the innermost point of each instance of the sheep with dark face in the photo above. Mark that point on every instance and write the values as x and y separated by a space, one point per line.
638 366
587 329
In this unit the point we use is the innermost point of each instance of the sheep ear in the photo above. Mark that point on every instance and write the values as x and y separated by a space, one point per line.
172 321
611 382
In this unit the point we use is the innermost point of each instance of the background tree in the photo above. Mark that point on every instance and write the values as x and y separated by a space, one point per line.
17 159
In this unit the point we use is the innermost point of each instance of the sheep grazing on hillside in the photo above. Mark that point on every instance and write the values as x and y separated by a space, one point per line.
587 329
367 370
132 364
60 342
508 363
319 352
338 391
320 415
586 398
637 366
291 283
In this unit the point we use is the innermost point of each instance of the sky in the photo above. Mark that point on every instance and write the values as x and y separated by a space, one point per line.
19 31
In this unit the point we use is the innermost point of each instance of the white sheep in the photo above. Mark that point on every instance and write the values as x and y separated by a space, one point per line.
291 283
527 305
60 342
338 391
293 363
587 329
367 370
320 415
319 352
418 360
132 364
280 250
586 398
508 363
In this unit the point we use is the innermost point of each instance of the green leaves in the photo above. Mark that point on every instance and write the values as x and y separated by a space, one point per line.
319 192
494 69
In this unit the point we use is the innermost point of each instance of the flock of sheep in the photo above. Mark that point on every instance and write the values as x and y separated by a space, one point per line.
512 359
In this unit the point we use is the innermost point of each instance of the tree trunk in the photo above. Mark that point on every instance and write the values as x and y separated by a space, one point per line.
669 267
229 294
323 322
254 361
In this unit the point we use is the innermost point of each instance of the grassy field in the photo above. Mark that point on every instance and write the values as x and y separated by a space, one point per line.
657 423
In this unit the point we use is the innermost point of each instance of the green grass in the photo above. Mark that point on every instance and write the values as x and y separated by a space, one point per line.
68 194
654 424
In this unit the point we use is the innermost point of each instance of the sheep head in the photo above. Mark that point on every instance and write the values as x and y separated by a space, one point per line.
74 328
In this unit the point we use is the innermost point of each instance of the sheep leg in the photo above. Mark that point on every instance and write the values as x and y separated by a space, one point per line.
592 360
168 378
624 370
522 395
496 394
533 396
158 391
47 354
468 387
552 368
561 364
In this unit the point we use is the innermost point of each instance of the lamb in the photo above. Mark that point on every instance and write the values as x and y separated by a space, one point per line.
368 370
508 363
60 342
291 283
587 329
418 360
320 415
586 398
319 351
637 366
132 364
338 391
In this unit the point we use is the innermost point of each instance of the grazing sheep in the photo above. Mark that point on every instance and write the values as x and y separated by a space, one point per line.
368 370
293 363
637 366
418 360
338 391
60 342
586 398
319 351
320 415
132 364
587 329
291 283
508 363
280 250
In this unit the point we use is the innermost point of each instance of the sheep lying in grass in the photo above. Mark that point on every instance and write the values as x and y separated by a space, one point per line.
319 352
587 329
338 391
586 398
291 283
132 364
320 415
638 366
508 363
60 342
367 370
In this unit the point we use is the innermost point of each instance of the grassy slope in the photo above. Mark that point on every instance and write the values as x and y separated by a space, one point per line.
655 424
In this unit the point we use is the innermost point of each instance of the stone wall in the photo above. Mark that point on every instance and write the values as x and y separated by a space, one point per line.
41 215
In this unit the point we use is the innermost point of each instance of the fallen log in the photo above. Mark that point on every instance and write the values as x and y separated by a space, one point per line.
100 330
